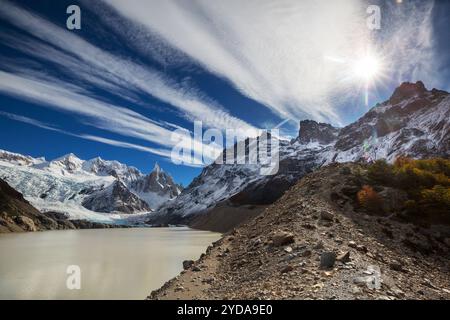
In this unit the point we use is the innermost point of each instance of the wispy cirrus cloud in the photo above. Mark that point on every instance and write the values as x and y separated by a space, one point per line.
102 115
101 68
270 51
273 51
163 152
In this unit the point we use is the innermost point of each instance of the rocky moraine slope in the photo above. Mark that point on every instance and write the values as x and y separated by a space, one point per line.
317 242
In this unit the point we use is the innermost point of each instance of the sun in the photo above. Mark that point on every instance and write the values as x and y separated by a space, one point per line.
367 68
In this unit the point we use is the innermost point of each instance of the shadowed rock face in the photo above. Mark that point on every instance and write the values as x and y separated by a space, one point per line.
312 131
115 199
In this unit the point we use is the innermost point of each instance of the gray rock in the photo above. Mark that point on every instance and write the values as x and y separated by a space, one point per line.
282 238
325 215
361 248
327 259
319 245
286 269
352 244
306 253
187 264
288 249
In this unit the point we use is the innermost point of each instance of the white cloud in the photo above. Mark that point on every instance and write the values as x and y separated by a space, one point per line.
112 72
105 116
410 45
165 153
273 51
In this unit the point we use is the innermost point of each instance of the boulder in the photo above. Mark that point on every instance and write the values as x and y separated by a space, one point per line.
187 264
282 238
326 215
327 259
26 223
288 249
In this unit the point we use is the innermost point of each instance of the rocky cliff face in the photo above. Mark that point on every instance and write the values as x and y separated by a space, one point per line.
312 131
414 122
115 198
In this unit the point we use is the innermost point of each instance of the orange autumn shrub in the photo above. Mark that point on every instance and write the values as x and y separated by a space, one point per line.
370 200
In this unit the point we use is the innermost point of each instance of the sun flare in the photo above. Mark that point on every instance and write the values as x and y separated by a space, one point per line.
367 68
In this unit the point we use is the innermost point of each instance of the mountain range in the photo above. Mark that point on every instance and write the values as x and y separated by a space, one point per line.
414 122
96 189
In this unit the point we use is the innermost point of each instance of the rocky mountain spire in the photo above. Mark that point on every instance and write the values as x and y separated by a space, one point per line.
157 168
407 90
312 131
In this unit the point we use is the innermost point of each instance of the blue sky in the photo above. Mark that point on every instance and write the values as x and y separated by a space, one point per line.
138 70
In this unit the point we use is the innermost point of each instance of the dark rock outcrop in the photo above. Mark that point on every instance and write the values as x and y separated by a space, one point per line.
312 131
115 198
407 90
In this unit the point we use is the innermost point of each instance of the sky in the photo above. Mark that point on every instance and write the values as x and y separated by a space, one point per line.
138 70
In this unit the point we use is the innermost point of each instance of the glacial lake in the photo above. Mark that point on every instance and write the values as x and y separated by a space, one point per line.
113 263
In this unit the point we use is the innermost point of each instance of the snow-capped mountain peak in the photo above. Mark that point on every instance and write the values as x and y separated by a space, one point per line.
157 187
101 167
68 163
91 189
